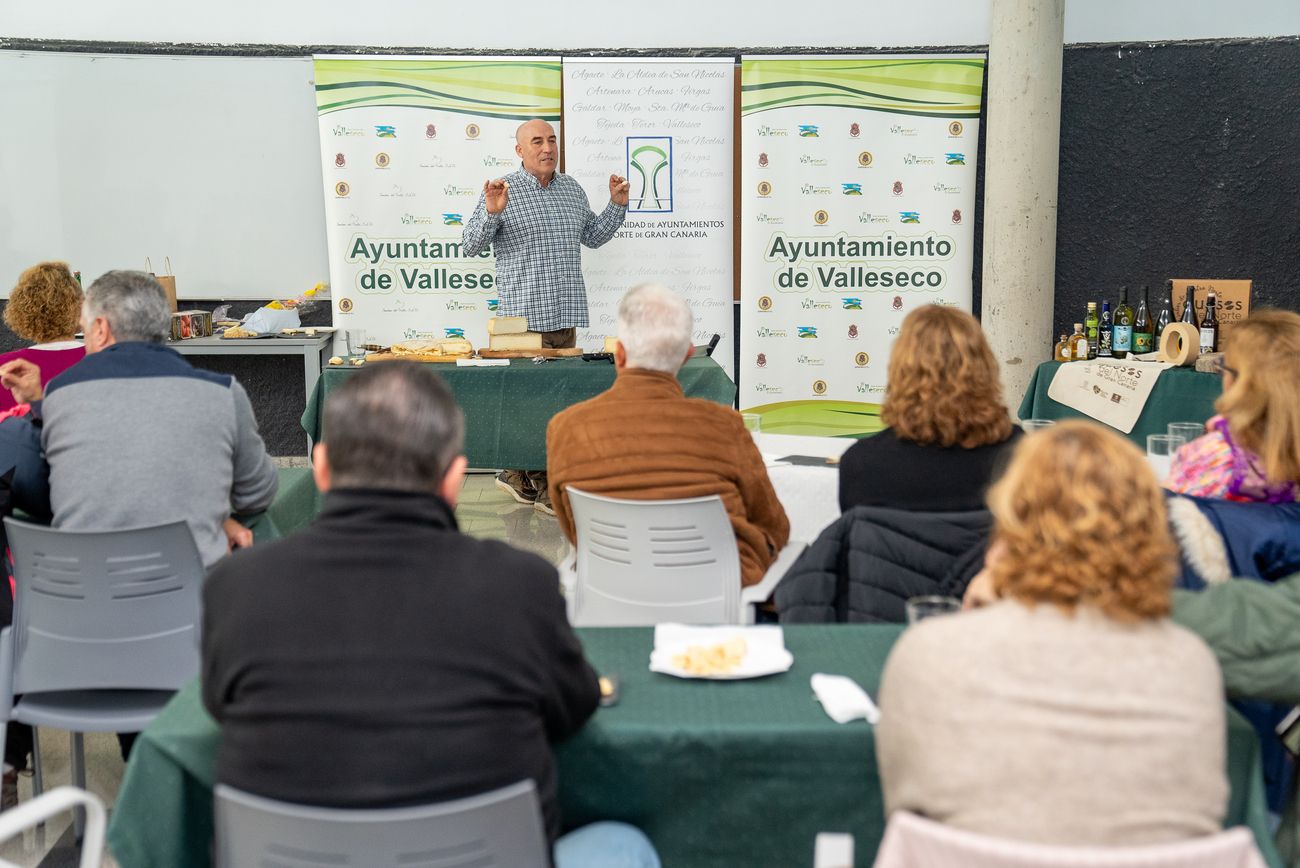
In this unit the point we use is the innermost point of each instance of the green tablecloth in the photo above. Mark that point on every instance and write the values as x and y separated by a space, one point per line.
296 503
716 773
1180 395
507 408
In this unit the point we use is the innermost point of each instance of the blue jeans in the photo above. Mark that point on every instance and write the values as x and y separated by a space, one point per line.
605 845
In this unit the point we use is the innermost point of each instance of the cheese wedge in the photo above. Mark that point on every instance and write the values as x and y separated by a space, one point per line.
507 325
611 344
525 341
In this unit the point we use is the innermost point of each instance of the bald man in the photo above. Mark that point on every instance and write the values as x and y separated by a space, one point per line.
536 220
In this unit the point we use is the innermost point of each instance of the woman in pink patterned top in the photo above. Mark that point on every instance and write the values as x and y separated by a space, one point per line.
1251 450
45 308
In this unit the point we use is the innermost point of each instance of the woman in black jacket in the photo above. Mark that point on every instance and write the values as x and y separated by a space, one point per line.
949 432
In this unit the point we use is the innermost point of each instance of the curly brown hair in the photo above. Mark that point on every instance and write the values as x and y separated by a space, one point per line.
943 387
46 303
1262 402
1080 520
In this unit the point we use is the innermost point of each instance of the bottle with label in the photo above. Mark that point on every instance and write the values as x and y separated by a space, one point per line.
1166 315
1189 306
1210 325
1062 351
1143 328
1079 344
1122 339
1105 332
1090 328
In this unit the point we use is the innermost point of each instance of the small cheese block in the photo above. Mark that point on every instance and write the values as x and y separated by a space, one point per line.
525 341
611 344
507 325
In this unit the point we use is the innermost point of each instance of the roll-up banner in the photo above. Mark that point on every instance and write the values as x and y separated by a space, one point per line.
407 144
667 124
857 200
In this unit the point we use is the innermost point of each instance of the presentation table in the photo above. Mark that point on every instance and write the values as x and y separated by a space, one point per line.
506 408
715 772
1180 395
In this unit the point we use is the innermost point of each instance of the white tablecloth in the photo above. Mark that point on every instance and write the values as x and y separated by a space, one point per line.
810 495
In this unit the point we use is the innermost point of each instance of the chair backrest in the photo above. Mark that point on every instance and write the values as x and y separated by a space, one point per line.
911 840
500 829
645 562
105 610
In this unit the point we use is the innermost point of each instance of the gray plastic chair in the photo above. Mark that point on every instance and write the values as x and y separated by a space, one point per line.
645 562
34 813
502 828
105 630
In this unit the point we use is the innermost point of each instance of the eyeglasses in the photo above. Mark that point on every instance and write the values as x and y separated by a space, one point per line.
1221 367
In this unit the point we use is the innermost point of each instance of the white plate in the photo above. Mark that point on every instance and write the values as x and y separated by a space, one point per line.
758 661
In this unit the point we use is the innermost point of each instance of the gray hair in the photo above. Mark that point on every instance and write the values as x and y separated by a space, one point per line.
392 425
134 304
654 327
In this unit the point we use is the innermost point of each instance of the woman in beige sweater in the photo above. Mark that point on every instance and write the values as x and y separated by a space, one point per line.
1069 709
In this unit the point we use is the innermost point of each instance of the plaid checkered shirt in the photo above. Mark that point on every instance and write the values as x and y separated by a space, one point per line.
536 241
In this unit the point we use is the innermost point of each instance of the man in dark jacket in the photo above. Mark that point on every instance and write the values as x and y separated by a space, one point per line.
380 658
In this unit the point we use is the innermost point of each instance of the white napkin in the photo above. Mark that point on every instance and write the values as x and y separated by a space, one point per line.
843 699
482 363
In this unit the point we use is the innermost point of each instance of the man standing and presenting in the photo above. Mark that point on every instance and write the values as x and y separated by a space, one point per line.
535 219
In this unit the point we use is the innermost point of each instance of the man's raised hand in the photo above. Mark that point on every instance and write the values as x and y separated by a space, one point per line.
618 189
495 195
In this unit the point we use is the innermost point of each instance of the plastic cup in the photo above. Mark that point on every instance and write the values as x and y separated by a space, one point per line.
920 608
1189 431
1029 426
1160 453
356 339
753 422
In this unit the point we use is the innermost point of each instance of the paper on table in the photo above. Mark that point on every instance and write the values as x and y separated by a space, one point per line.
482 363
676 635
843 699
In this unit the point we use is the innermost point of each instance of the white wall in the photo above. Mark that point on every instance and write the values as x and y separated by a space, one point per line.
591 23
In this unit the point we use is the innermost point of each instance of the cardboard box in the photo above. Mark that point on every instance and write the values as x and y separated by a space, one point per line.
1233 297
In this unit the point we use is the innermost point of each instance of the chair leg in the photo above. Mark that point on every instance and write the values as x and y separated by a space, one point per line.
38 782
78 759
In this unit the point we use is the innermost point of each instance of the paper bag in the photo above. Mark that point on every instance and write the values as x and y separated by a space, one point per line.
166 281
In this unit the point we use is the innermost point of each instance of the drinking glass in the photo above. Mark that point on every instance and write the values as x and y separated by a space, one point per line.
920 608
356 339
1160 452
753 422
1029 426
1189 431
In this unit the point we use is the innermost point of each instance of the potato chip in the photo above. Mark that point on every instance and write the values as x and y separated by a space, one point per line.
720 659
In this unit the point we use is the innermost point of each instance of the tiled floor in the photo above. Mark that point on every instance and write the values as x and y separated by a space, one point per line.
483 511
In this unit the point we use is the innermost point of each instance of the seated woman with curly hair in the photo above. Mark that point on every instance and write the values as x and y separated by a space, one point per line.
949 429
44 308
1251 449
1069 709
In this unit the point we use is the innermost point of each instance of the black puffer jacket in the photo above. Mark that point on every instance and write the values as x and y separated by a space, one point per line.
866 565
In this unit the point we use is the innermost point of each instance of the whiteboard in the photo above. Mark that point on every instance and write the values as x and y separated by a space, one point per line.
213 161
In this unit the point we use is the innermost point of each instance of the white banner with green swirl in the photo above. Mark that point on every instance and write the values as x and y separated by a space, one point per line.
406 145
857 205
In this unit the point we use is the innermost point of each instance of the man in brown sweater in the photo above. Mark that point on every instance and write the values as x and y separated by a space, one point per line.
644 439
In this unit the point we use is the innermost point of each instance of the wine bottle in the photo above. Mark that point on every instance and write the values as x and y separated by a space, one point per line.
1122 340
1189 306
1143 329
1090 325
1105 332
1166 315
1210 325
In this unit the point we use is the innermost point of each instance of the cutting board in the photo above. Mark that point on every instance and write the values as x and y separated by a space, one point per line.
530 354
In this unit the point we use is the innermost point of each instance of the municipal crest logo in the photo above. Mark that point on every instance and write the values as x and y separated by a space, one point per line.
864 158
340 160
341 189
764 189
382 160
819 387
762 161
764 302
898 302
821 217
861 360
853 332
472 131
855 130
955 128
345 305
898 188
956 215
761 361
431 131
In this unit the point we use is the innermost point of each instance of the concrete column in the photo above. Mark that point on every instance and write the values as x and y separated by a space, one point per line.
1021 160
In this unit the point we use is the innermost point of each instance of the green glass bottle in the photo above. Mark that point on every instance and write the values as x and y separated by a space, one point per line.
1090 323
1143 328
1122 339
